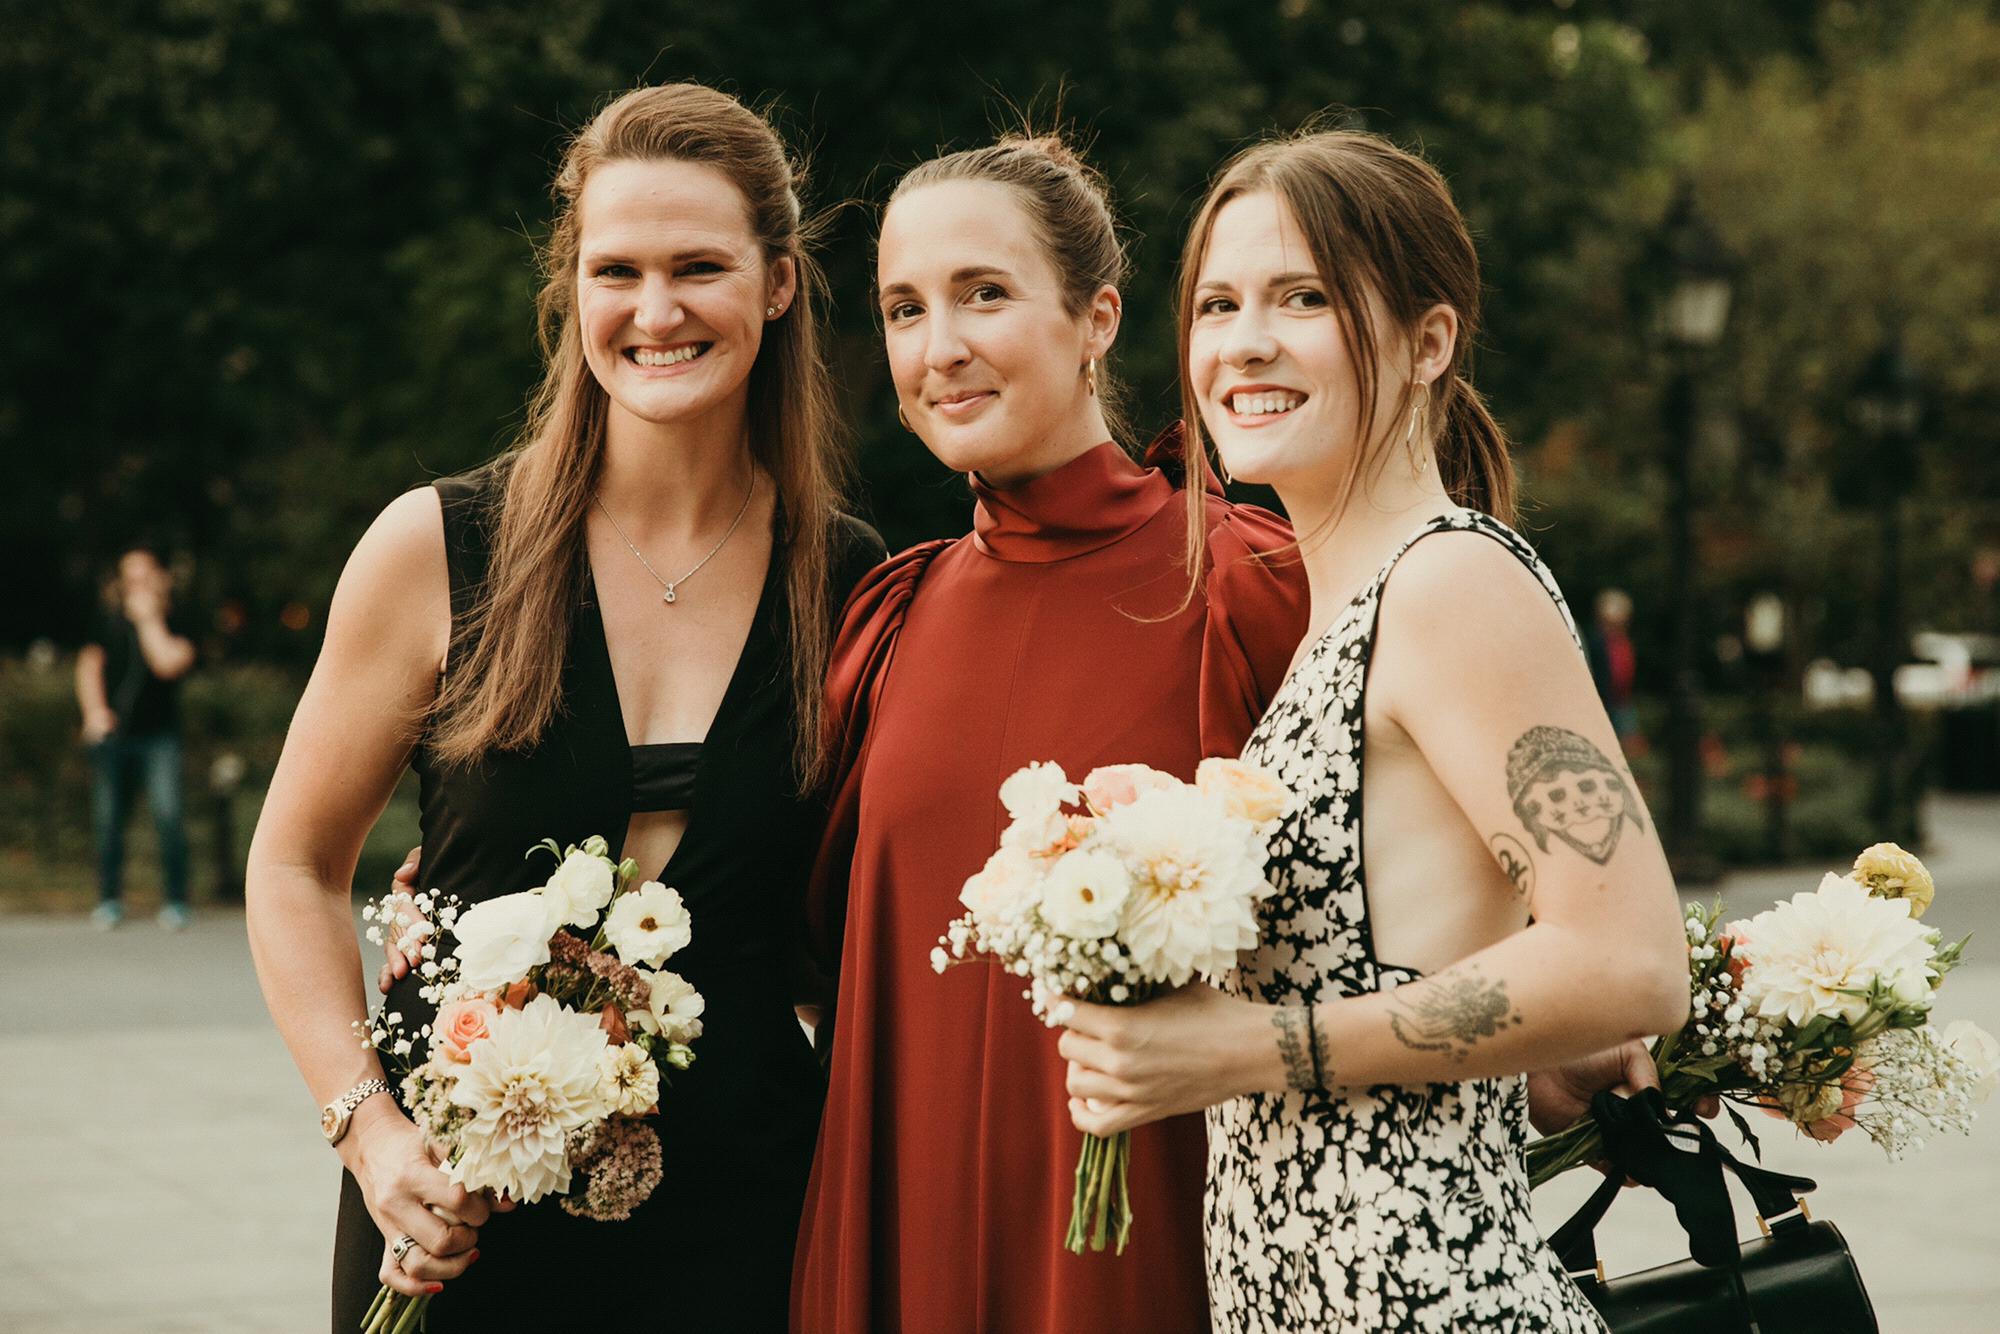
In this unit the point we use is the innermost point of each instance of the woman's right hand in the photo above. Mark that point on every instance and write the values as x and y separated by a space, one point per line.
408 1195
404 883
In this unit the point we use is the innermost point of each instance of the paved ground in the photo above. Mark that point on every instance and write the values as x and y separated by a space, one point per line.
161 1169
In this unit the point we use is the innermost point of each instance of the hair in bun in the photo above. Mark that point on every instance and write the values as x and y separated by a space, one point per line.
1069 204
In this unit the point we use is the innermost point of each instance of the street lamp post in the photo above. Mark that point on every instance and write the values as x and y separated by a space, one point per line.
1692 322
1888 410
1764 642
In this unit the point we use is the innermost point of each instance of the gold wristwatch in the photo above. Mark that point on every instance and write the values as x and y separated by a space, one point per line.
333 1117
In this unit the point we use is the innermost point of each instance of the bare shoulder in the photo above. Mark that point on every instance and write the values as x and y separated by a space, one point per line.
1463 614
1455 585
396 586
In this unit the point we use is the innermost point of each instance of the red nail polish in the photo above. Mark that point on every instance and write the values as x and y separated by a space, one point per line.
434 1288
470 1258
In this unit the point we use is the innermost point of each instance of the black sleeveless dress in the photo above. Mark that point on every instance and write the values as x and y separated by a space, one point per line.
711 1249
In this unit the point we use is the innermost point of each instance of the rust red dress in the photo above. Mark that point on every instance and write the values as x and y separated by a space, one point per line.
941 1189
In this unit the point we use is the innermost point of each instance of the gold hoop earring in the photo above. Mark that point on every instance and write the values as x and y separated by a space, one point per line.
1419 466
904 420
1090 376
1222 468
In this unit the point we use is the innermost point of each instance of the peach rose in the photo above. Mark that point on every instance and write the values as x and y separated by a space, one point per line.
1116 784
1248 792
460 1024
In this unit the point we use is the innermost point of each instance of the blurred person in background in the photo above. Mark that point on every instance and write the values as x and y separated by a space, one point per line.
128 684
1615 666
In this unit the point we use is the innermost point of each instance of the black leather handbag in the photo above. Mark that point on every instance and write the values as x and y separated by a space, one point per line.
1797 1277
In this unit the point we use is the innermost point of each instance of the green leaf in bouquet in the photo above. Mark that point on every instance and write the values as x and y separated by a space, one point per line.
1948 957
548 844
1743 1128
1813 1035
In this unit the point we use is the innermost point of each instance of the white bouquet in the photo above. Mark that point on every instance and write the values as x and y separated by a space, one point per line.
1114 891
549 1048
1818 1010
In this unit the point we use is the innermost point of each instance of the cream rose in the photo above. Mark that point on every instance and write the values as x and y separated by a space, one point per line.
1111 785
1978 1049
1247 792
580 887
500 940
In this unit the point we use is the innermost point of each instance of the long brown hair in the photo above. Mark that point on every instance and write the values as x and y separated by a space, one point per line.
1379 219
1069 205
503 691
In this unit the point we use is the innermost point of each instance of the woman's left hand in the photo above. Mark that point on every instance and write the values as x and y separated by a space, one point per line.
1132 1064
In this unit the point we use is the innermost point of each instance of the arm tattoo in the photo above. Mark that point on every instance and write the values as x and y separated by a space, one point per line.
1563 785
1450 1012
1515 864
1295 1030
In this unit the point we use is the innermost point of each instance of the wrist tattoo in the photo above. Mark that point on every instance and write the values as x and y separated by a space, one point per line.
1450 1013
1297 1045
1561 784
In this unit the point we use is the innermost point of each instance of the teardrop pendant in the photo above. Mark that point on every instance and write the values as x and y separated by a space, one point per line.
668 596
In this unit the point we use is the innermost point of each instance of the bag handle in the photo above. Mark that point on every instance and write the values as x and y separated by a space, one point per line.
1677 1155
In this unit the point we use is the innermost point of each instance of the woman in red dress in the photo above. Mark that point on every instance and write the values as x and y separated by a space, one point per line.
1059 629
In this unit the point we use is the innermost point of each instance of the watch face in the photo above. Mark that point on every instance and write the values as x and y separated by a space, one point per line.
329 1121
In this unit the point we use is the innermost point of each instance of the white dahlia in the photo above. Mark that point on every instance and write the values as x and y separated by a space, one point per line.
1804 956
536 1077
1084 893
1197 876
648 924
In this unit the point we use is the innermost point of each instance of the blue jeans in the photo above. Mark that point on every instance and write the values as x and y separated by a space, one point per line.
119 765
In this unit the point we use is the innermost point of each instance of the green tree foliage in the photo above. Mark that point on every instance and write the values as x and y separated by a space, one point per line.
271 259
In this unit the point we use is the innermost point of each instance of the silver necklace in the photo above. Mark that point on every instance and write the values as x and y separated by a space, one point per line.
668 586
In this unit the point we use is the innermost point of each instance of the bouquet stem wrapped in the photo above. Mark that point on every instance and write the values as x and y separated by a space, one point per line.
1818 1011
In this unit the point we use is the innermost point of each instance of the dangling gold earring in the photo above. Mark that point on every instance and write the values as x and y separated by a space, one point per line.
1419 466
1222 468
905 420
1090 376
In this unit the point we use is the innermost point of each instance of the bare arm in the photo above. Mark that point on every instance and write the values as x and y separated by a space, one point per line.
168 655
1495 697
348 743
98 719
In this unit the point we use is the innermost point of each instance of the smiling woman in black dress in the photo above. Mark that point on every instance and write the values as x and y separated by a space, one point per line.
618 628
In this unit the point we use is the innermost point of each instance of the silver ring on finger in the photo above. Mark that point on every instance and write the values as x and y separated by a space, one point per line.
401 1247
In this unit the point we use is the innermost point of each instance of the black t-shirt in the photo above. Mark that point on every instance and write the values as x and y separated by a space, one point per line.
143 702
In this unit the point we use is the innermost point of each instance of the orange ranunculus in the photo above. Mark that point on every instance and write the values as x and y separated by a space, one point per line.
519 994
460 1024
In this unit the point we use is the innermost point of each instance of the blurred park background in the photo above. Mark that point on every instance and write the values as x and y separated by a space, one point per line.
268 263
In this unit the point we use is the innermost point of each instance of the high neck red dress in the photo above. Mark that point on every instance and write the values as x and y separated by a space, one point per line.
946 1160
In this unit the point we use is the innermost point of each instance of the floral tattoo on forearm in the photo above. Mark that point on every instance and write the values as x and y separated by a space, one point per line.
1561 784
1450 1013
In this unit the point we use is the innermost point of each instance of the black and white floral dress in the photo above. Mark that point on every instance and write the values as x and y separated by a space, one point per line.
1397 1207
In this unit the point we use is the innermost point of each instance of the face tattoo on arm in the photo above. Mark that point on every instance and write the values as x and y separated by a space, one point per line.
1563 785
